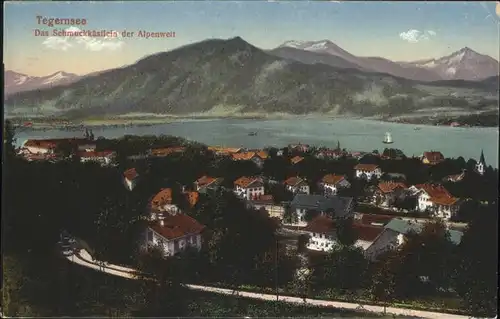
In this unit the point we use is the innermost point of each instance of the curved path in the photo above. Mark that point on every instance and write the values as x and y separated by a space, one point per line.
83 258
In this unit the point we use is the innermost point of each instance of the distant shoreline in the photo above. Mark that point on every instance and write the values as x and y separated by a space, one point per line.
47 123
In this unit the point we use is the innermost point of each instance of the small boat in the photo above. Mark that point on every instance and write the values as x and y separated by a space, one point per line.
417 128
388 138
252 133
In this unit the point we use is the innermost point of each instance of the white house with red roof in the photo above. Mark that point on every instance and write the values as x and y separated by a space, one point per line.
367 171
331 183
130 178
387 193
249 188
297 185
48 146
204 183
436 200
175 233
322 234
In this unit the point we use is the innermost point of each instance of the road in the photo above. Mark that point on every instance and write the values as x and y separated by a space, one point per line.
83 258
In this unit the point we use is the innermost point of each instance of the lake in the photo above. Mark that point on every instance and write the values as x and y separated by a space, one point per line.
353 134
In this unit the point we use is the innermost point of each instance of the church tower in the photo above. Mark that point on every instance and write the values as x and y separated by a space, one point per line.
481 165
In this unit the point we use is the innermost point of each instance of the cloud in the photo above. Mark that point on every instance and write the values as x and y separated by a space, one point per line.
86 42
414 36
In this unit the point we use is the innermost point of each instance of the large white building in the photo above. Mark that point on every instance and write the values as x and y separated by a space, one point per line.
249 188
368 171
323 237
436 200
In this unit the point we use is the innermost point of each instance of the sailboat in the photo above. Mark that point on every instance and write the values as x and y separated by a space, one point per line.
388 138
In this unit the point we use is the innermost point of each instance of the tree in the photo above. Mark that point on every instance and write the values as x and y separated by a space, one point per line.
346 267
477 271
383 280
311 214
9 140
289 215
302 242
346 234
164 292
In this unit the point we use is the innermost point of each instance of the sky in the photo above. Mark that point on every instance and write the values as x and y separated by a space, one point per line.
399 31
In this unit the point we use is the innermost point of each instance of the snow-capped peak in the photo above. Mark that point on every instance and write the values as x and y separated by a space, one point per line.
57 77
293 44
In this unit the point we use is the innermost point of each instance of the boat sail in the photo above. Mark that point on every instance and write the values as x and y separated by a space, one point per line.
388 138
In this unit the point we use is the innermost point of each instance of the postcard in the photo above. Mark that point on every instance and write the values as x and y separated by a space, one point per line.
250 159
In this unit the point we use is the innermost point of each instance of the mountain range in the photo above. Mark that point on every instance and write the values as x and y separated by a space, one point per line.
465 64
229 77
18 82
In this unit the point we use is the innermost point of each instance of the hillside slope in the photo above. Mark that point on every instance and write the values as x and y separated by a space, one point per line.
224 77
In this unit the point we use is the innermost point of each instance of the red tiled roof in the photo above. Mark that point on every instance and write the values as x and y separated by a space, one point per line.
192 197
293 181
262 154
167 150
162 198
368 219
130 174
175 226
52 143
366 167
321 224
438 194
296 159
246 156
388 187
205 181
244 182
367 232
332 179
434 157
226 150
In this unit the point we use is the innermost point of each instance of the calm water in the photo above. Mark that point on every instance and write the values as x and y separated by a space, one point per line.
359 135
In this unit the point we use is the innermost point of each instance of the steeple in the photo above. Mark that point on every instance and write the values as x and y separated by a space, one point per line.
481 159
481 165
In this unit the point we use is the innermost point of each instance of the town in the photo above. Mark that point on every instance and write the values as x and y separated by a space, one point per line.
372 227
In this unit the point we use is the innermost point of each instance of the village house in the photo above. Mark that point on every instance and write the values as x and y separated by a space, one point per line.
223 151
455 178
323 237
257 157
303 148
102 157
297 185
174 234
249 188
331 183
130 178
329 154
267 203
394 234
205 183
436 200
161 204
387 193
166 151
367 171
432 158
333 206
49 146
296 159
